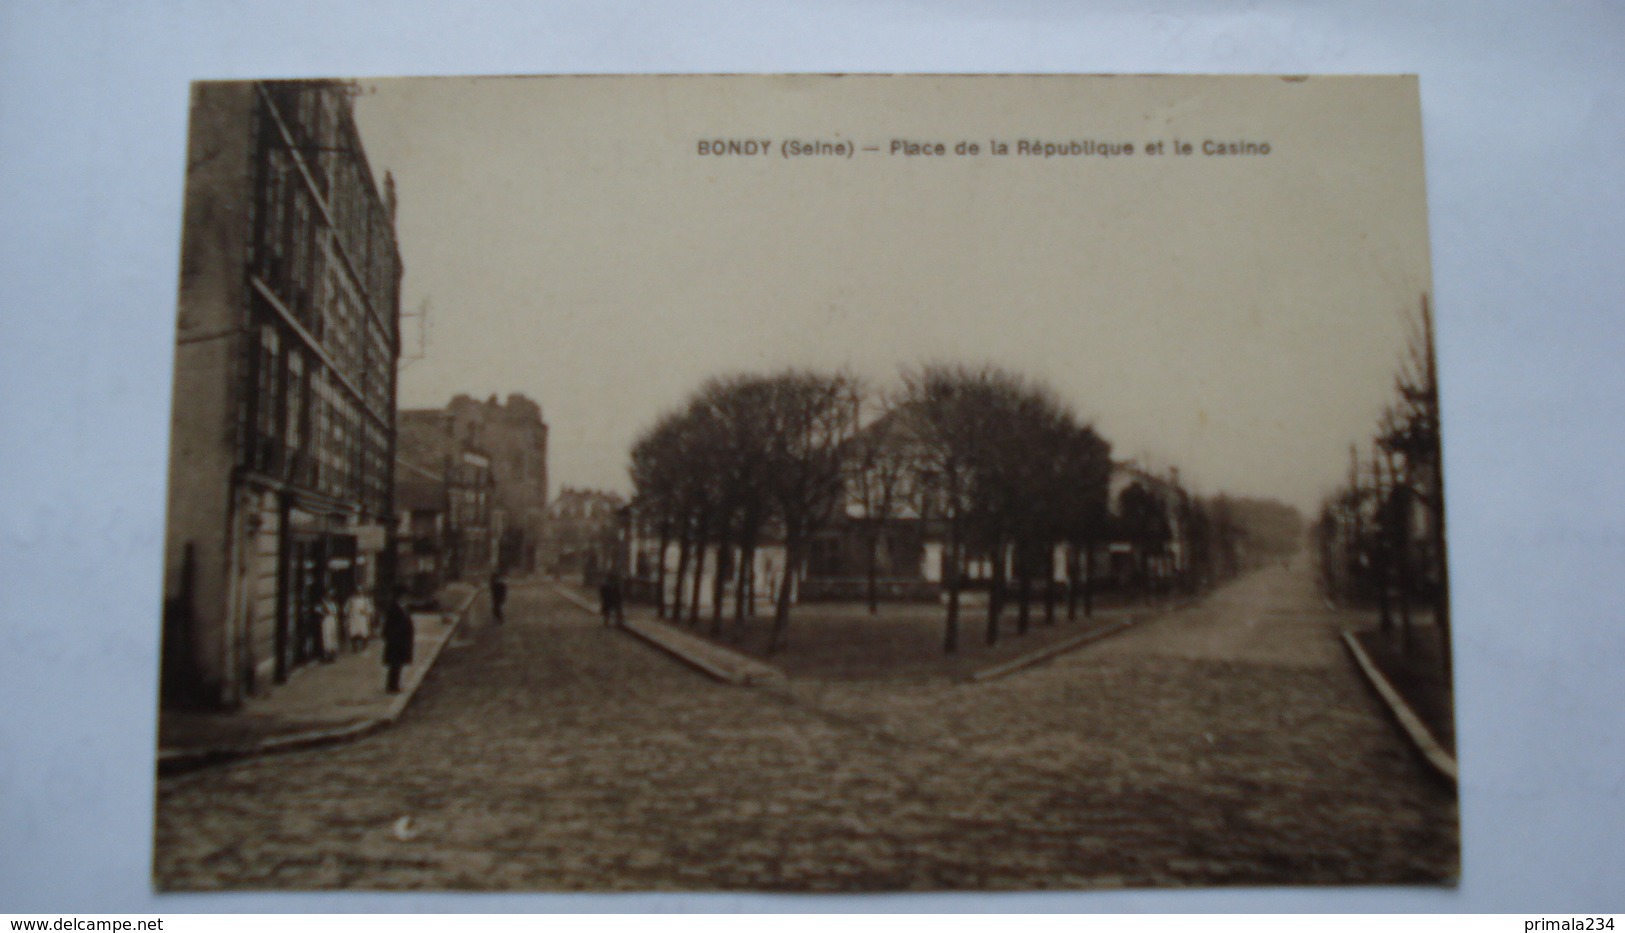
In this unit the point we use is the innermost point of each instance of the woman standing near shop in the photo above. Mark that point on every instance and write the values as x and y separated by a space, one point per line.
329 610
358 620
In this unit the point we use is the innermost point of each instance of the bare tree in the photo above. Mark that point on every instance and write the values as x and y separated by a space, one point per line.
1003 414
1000 452
739 408
745 452
1083 509
656 481
1143 522
1412 432
808 425
671 473
1036 447
880 464
937 400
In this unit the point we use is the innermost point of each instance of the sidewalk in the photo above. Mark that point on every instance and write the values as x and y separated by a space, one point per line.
713 660
1410 684
320 703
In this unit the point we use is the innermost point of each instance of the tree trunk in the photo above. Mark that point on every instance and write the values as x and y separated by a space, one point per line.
1024 577
874 560
719 581
1384 573
950 576
660 571
750 582
995 596
1406 583
1441 595
684 547
1403 557
1088 579
1435 501
1072 583
743 587
1388 538
781 614
1049 584
699 581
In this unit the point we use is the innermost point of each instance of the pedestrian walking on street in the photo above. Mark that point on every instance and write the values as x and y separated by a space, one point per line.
358 612
329 610
609 600
398 639
499 596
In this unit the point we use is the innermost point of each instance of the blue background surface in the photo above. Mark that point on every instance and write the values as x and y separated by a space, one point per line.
1524 114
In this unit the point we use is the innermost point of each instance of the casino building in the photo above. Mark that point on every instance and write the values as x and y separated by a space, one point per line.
283 426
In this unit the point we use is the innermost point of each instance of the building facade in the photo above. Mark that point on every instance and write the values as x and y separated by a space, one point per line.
584 533
433 442
281 467
513 436
1144 541
420 528
474 522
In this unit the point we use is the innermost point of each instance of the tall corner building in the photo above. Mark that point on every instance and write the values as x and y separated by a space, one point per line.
283 425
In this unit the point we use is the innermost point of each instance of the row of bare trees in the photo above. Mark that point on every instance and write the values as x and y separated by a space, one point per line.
999 463
1011 471
746 455
1381 537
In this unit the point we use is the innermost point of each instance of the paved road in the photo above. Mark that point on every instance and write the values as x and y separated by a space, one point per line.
1227 744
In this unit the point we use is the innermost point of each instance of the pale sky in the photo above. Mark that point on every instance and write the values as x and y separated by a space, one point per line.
1239 317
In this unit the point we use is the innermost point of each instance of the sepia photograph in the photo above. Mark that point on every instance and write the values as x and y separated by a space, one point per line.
805 483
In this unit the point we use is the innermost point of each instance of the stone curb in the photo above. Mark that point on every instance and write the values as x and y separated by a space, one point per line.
676 649
178 761
1130 618
1033 658
1410 724
576 599
743 672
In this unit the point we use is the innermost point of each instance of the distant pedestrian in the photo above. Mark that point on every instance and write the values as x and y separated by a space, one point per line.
329 610
609 600
398 639
358 613
499 596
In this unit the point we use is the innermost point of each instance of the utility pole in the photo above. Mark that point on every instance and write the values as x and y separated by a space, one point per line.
1356 526
1383 563
1430 392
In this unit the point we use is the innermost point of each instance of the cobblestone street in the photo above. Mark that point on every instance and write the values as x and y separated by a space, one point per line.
1231 743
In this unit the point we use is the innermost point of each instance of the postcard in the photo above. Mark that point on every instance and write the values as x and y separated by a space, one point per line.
805 483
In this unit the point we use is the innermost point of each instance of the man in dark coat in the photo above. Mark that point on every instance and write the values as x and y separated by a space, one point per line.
398 638
499 596
609 600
